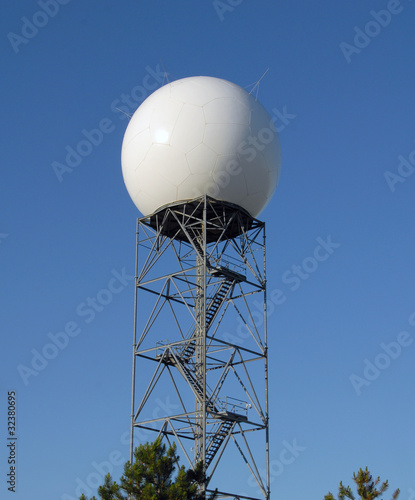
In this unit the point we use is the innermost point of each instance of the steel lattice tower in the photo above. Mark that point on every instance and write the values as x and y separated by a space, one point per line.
200 340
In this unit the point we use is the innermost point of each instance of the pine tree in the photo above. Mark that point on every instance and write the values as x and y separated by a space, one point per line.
366 488
150 477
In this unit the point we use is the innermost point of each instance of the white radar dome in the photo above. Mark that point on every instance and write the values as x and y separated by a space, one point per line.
201 135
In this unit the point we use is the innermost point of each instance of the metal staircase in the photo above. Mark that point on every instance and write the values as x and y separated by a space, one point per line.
211 313
197 389
218 438
230 278
180 357
227 419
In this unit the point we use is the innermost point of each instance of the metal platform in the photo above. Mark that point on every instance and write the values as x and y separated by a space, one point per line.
180 219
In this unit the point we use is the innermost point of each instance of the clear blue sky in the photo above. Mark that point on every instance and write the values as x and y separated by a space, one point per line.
349 119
